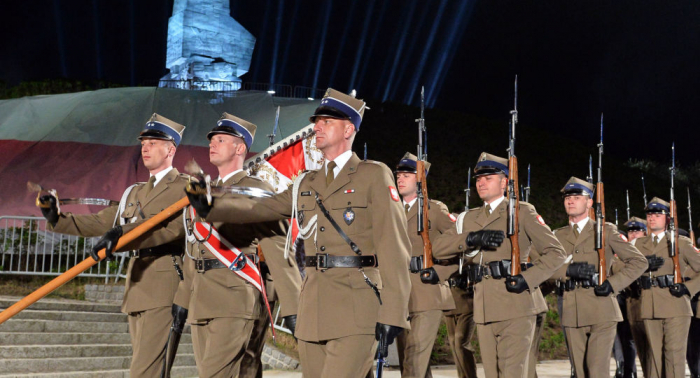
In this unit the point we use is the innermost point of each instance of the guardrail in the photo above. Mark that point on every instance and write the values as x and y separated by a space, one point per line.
28 248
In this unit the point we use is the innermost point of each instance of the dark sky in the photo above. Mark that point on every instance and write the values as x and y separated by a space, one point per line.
635 61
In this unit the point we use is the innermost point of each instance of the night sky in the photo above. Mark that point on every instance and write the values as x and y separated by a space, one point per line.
635 61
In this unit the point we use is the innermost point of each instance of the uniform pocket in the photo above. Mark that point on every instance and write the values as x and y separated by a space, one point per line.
351 213
365 302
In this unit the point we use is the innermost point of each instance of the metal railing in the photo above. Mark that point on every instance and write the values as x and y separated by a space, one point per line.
28 248
200 85
230 87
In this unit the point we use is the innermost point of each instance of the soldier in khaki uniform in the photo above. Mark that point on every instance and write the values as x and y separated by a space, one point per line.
151 278
664 307
505 307
427 301
590 312
357 284
224 305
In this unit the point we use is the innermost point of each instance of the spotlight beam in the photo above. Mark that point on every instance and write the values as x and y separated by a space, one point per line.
394 43
343 39
319 56
398 55
278 31
290 32
59 35
361 47
261 41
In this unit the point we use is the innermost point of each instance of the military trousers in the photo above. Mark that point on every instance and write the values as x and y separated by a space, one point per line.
416 345
590 348
251 365
219 345
693 353
667 341
624 349
460 330
535 348
345 357
149 332
505 346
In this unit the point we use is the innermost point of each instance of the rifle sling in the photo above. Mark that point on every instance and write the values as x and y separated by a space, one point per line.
335 225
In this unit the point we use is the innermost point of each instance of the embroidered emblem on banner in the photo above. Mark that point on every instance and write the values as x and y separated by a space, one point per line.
348 216
394 193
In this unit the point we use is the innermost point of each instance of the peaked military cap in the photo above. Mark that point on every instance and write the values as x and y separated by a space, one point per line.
490 164
636 224
231 125
408 163
658 206
683 232
159 127
336 104
577 186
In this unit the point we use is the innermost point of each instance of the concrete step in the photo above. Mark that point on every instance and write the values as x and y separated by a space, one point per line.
83 350
30 325
62 305
77 316
11 367
31 338
177 372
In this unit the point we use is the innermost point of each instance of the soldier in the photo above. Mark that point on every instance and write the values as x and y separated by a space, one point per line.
357 285
505 307
226 302
151 279
427 301
664 306
636 228
590 312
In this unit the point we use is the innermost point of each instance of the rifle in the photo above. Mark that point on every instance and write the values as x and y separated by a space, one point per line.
617 224
600 213
526 192
513 198
427 274
589 178
690 220
673 224
468 190
274 130
628 204
644 188
365 159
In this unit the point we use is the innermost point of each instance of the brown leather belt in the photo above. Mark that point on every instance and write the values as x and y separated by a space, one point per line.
161 250
203 265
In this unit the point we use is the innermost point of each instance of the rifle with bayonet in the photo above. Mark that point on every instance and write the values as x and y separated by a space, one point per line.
468 190
512 229
526 191
274 130
617 221
628 204
600 213
673 223
690 221
644 188
427 274
589 178
365 159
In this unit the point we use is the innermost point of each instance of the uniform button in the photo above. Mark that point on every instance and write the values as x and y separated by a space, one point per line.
577 251
323 229
461 247
323 248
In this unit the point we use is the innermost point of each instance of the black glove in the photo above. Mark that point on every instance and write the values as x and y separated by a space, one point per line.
196 193
603 290
385 334
516 284
580 270
655 262
679 290
485 238
108 242
429 276
49 209
291 322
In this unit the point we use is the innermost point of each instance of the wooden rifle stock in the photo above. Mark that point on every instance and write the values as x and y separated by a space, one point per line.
677 277
514 242
425 234
600 202
692 237
89 262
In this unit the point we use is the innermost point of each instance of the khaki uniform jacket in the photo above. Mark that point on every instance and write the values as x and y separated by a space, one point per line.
151 282
492 302
363 201
426 297
658 303
220 293
283 283
581 306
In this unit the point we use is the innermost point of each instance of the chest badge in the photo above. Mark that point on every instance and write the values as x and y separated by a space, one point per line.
348 216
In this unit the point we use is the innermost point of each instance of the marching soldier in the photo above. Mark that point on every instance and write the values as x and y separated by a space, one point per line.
590 312
664 306
426 302
505 307
357 286
227 299
151 278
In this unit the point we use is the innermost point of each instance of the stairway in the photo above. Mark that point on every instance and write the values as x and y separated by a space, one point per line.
66 338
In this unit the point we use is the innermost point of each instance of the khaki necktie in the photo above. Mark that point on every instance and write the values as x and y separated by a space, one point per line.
576 231
487 210
407 207
330 175
149 185
656 240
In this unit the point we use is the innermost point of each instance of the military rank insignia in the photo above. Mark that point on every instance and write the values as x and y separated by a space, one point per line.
348 216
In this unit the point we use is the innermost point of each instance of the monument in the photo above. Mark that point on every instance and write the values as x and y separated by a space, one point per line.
207 48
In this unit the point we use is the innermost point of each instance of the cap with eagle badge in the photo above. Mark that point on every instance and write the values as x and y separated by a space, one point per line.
159 127
231 125
408 164
336 104
658 206
490 165
577 187
636 224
